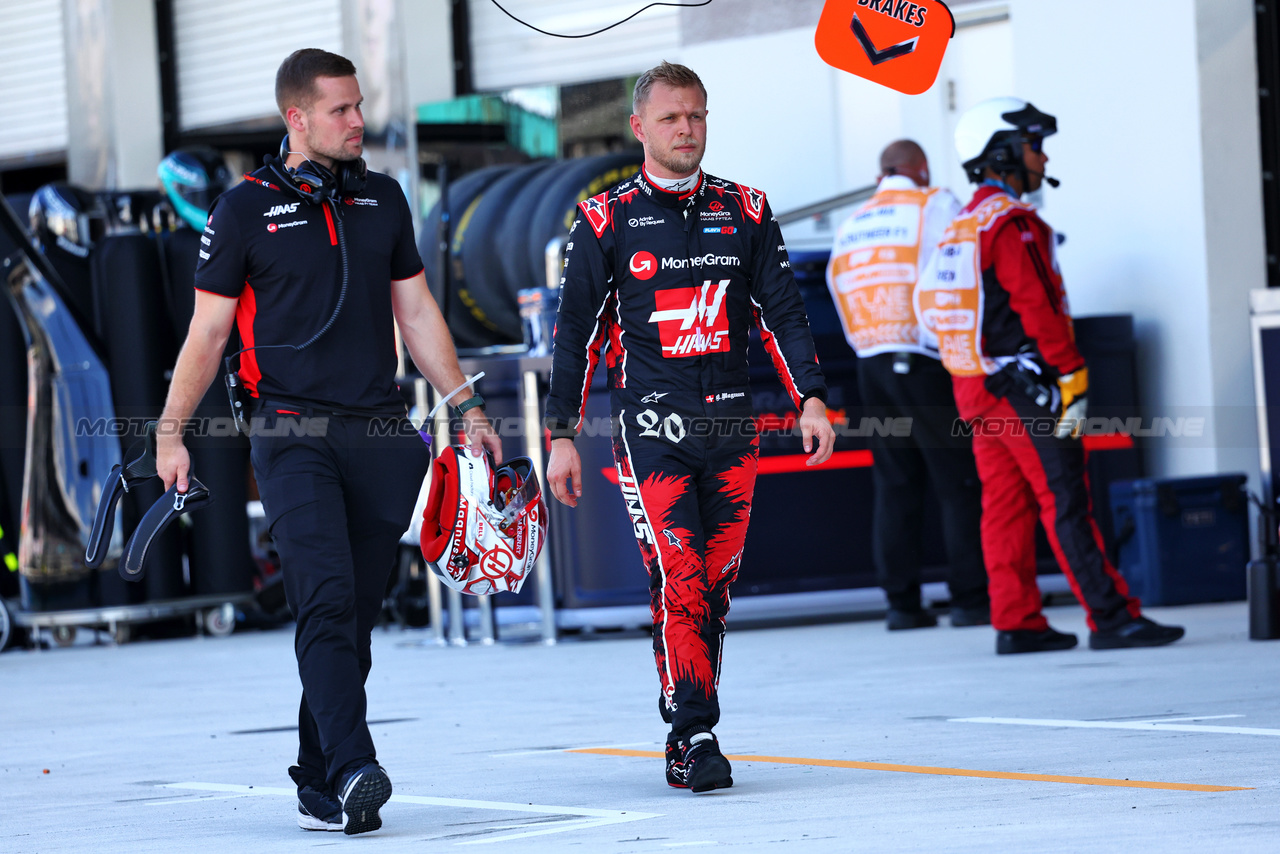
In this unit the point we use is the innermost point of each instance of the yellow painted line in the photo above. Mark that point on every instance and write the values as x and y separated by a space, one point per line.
943 772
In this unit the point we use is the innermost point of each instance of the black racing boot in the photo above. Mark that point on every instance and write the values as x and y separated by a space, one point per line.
1013 642
695 762
1139 631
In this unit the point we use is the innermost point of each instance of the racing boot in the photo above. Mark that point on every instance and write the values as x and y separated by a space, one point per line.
1139 631
1016 641
695 762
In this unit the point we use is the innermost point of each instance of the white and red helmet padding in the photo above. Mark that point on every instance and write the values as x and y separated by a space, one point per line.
483 527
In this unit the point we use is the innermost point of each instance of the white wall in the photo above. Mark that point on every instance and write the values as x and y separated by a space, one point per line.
1161 198
428 50
771 104
1158 154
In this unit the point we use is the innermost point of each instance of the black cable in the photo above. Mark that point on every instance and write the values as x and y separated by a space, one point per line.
601 30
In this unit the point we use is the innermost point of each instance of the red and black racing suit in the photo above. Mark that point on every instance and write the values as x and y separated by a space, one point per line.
1027 472
667 287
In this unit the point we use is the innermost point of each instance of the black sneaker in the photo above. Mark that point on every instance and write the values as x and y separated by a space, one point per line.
364 791
898 620
696 763
979 615
1013 642
1137 632
318 809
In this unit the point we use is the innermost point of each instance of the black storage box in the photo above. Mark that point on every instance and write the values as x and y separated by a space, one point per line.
1181 541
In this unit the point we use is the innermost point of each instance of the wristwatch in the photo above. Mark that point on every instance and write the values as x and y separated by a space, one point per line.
469 403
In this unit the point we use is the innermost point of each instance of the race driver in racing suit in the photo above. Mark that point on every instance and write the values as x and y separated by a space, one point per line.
665 274
994 298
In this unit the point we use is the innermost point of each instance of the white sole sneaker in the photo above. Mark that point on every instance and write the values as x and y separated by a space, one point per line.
362 797
307 821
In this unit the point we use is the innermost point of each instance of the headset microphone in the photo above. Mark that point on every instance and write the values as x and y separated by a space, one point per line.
1052 182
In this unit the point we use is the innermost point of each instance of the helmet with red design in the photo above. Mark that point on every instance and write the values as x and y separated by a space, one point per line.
483 526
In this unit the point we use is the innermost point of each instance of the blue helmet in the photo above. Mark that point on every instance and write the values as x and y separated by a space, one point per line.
192 178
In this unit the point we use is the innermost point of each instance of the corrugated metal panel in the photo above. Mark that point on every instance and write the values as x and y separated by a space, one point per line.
505 54
227 54
33 78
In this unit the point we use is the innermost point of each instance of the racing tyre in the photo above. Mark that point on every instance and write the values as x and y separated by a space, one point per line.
463 193
579 181
487 294
512 235
6 626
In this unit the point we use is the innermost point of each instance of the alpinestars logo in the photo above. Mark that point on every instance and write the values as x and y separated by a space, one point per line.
692 321
280 210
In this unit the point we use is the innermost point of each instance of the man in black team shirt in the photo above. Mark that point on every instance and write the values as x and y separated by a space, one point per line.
311 258
665 274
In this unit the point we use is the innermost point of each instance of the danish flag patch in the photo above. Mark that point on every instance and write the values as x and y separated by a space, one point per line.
596 210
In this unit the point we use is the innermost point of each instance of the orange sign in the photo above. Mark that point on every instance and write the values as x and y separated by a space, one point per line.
896 43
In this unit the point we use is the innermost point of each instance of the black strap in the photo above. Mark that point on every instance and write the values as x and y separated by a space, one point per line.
139 465
162 514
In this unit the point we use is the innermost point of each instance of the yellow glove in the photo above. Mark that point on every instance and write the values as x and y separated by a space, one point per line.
1074 391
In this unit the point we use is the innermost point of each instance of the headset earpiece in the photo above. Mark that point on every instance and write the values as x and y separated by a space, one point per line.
315 184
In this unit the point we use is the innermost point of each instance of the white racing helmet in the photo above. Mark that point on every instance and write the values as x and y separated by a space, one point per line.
990 134
482 528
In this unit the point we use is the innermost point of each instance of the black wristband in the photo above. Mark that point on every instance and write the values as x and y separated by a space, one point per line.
468 404
820 394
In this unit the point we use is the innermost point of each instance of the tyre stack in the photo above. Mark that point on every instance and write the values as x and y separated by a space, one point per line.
502 218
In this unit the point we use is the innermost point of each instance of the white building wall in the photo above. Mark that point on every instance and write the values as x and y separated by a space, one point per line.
428 27
1158 154
1161 198
771 110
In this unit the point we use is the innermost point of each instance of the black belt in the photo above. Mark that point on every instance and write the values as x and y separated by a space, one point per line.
308 410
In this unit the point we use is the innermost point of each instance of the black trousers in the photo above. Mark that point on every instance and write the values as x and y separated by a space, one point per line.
337 500
904 466
687 470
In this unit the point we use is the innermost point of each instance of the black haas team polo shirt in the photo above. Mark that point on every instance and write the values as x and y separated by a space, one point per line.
282 259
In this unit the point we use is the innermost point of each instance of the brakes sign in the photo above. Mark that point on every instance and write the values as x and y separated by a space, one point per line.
896 43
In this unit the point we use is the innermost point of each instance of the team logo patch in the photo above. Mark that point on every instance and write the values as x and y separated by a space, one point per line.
692 321
752 202
596 210
719 229
643 265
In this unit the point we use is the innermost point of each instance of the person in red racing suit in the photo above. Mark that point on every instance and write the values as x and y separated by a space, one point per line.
665 275
994 298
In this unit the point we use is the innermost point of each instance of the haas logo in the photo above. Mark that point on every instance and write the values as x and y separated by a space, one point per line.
280 210
643 265
692 321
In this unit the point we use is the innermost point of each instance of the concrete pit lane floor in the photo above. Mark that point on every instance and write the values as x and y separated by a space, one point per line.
843 737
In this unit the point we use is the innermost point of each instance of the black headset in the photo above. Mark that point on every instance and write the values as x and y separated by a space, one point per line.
312 182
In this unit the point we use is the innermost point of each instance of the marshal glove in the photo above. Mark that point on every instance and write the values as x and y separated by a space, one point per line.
1073 389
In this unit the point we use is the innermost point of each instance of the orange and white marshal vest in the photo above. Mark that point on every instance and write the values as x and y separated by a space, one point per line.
949 296
876 260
